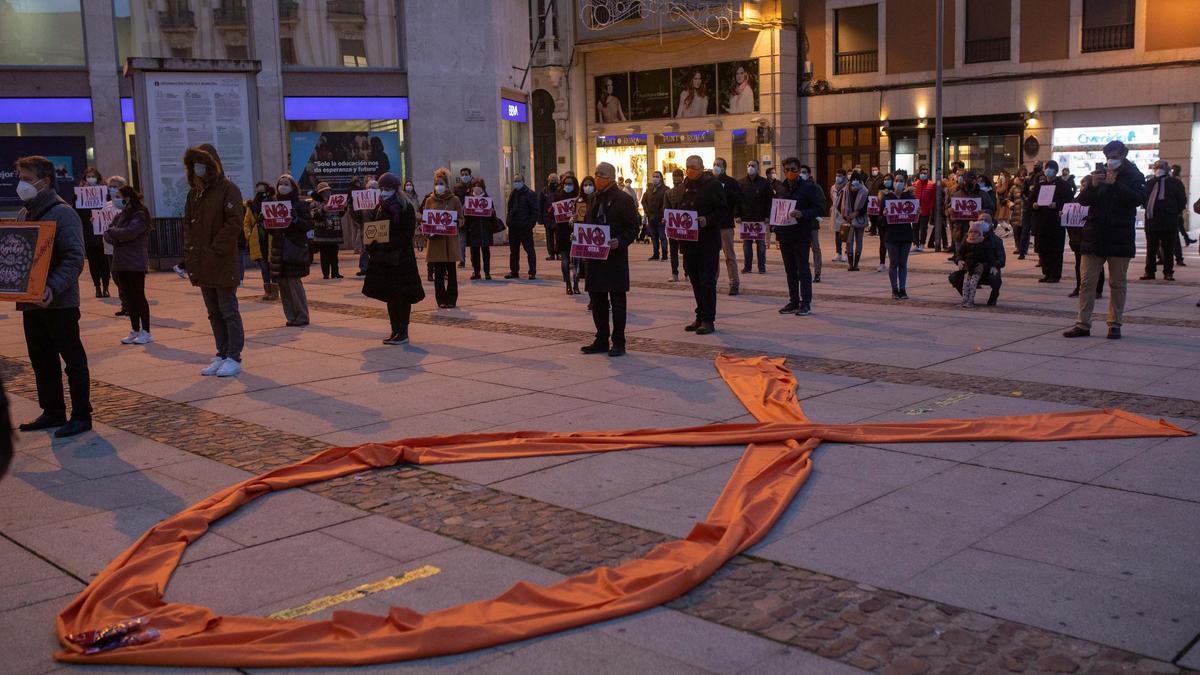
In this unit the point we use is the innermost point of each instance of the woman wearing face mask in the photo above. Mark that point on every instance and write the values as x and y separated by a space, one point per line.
442 250
1014 200
327 231
257 238
563 231
93 244
290 256
854 214
479 233
357 218
410 193
898 238
392 274
114 183
879 222
588 187
129 235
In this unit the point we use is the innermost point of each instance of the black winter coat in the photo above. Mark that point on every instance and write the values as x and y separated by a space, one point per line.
810 202
478 229
733 201
900 233
756 194
545 199
392 273
295 237
989 253
522 210
654 200
1168 211
706 197
1044 218
615 208
1112 213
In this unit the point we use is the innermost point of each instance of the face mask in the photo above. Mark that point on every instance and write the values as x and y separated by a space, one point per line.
1050 173
874 172
518 185
924 176
1114 164
440 189
841 180
26 191
803 175
387 194
588 189
718 170
478 192
984 188
465 179
91 180
263 193
887 184
409 188
568 189
752 171
118 202
656 180
199 170
284 189
112 192
899 187
856 184
692 174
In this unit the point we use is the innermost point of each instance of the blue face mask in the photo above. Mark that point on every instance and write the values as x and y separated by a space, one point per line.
387 194
841 180
887 184
568 189
518 185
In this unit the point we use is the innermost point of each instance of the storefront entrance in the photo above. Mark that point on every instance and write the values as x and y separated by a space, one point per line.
844 146
671 150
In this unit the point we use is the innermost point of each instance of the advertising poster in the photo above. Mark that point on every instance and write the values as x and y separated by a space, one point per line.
612 98
68 153
627 154
336 157
184 110
738 92
695 90
650 94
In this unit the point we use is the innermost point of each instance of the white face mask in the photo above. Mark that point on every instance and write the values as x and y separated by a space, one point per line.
1051 173
874 172
588 189
656 180
751 170
26 190
718 170
284 189
1114 164
440 189
91 180
200 170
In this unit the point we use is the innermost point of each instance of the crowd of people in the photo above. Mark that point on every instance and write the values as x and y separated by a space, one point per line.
218 226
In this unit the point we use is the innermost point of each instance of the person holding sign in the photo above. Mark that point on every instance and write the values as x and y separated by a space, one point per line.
129 235
522 216
478 230
327 231
608 280
757 193
212 220
291 258
669 202
1074 238
960 220
1048 234
796 240
93 241
256 237
703 194
897 238
567 192
392 273
52 325
442 251
654 200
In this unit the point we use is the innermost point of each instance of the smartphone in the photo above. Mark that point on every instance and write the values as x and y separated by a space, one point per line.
1101 167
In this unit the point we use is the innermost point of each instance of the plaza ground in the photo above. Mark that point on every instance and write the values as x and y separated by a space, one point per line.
948 557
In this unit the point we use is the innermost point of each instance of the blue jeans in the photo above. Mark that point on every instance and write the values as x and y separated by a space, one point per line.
898 264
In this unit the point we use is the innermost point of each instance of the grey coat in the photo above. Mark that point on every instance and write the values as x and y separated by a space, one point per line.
129 235
66 262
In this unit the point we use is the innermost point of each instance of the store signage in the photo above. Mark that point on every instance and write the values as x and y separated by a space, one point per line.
276 215
45 110
478 206
781 211
1141 134
514 111
752 231
590 242
682 225
439 222
67 153
90 196
685 138
965 208
345 107
903 211
102 219
621 141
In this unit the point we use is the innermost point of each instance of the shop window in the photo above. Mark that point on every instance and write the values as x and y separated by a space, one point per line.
985 153
904 155
856 39
354 53
25 29
287 49
989 27
1107 25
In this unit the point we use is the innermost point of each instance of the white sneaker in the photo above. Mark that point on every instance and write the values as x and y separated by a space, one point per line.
213 367
143 338
229 368
882 268
131 338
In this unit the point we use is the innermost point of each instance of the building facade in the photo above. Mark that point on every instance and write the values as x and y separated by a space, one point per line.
332 80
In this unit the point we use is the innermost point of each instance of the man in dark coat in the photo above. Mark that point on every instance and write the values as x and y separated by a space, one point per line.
1049 235
702 193
608 280
795 239
654 200
522 216
1165 202
1112 197
546 218
757 193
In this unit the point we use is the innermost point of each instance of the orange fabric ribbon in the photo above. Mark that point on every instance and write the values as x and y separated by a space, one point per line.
775 465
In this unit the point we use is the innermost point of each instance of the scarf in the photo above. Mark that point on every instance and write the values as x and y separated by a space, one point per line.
1157 193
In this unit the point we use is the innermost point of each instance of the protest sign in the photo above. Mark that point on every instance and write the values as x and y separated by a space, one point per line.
752 231
872 205
682 225
376 232
25 251
563 210
1074 215
364 200
276 215
903 211
590 242
90 197
781 211
102 219
478 206
1046 195
336 203
439 222
965 208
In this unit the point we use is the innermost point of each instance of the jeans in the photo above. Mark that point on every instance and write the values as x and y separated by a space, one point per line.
294 300
51 335
702 265
486 253
225 320
445 283
658 239
133 293
749 246
1092 265
518 239
329 260
795 266
399 314
731 266
601 303
898 265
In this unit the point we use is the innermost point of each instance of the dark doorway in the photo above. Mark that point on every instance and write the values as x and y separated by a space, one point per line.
544 145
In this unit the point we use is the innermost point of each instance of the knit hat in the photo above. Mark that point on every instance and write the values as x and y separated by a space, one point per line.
389 181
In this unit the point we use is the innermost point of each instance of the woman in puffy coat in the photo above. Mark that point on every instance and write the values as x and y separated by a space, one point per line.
290 258
129 235
392 275
479 233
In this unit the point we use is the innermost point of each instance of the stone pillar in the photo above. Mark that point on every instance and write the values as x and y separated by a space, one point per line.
271 127
1175 144
103 78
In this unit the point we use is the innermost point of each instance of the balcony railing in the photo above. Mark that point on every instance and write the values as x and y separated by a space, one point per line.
346 9
177 19
1107 38
289 10
850 63
991 49
229 16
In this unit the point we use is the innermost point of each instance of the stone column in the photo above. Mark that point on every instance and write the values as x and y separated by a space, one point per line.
271 127
103 78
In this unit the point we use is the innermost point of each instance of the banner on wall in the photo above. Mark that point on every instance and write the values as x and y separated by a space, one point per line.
67 153
729 87
336 157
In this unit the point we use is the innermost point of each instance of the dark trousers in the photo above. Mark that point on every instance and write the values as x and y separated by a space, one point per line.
551 244
920 229
486 253
1078 278
985 279
399 314
673 247
702 265
796 267
98 263
658 239
225 320
1024 236
51 335
133 296
898 268
329 260
518 239
1160 244
936 229
601 304
264 268
1050 242
750 246
445 283
883 249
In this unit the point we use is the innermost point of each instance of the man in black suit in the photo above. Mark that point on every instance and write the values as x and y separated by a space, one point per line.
608 280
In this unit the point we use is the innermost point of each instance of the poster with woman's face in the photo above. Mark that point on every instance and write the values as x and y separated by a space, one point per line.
651 94
612 98
695 90
739 86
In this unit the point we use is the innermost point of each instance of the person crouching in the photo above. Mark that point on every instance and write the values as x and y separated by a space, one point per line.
980 261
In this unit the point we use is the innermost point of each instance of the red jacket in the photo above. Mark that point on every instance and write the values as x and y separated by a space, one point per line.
926 191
